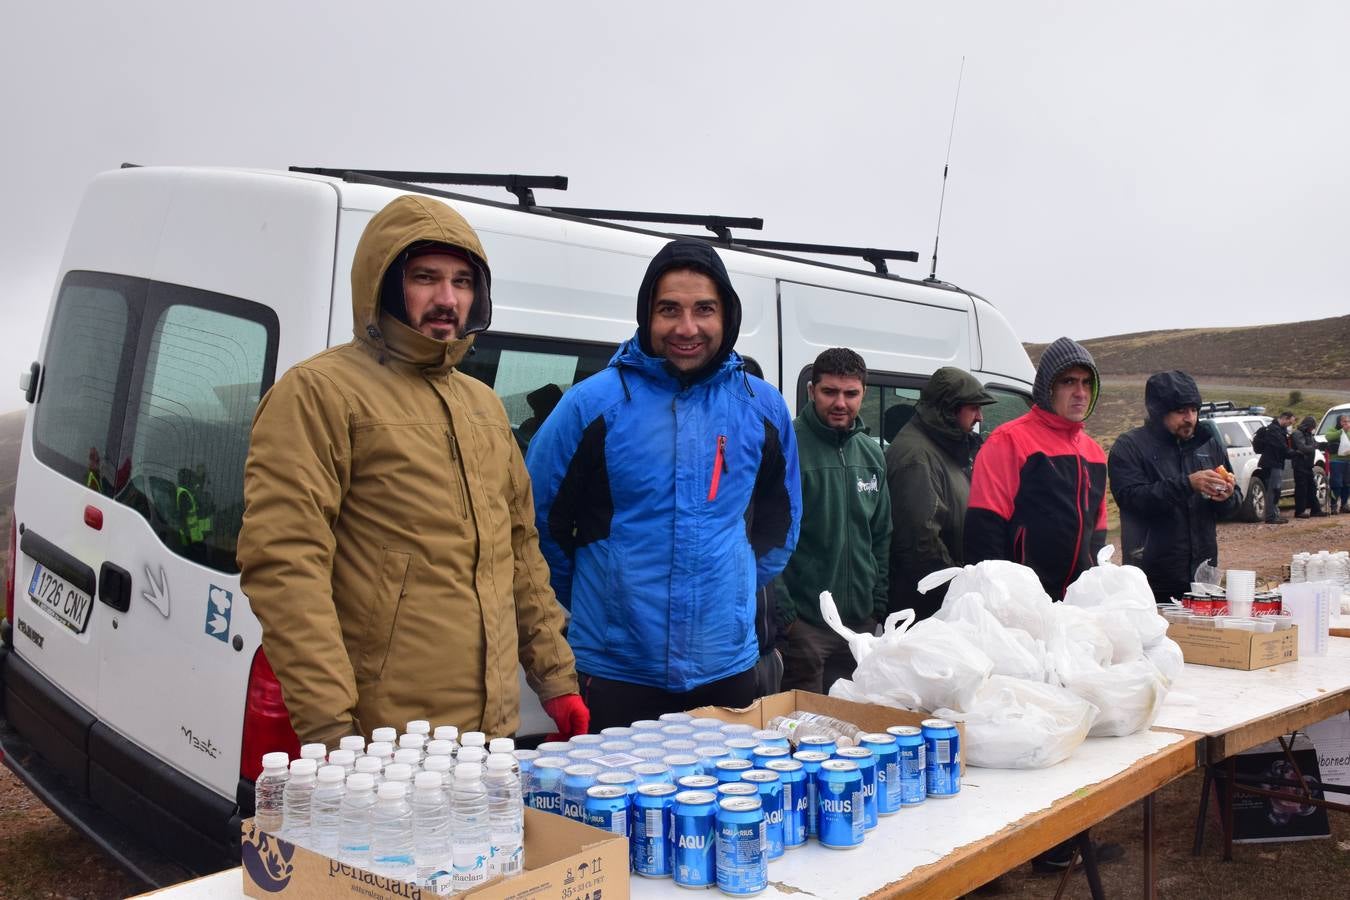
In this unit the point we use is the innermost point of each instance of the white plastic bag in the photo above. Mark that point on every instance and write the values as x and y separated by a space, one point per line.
1166 655
1128 696
1074 643
1125 643
1019 724
1012 650
1012 592
1123 588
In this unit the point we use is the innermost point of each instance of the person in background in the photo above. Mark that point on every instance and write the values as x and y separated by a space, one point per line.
1272 442
928 475
666 495
846 527
388 544
1338 451
1304 446
1166 479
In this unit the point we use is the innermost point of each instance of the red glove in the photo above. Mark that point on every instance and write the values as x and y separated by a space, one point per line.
570 714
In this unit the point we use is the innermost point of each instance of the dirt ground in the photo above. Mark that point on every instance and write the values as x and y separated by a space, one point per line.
41 857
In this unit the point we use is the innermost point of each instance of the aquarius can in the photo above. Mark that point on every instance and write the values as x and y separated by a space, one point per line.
771 799
818 742
618 745
713 738
554 748
913 763
677 732
765 752
699 782
738 729
695 860
737 789
652 773
811 761
642 725
584 754
841 817
742 863
867 768
625 780
606 808
546 784
650 753
706 723
792 775
617 732
883 746
731 769
649 739
577 779
710 755
741 747
942 751
525 760
674 718
651 834
680 746
682 764
771 737
587 740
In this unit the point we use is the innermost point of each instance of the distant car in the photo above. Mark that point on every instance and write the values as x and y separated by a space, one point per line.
1329 420
1235 426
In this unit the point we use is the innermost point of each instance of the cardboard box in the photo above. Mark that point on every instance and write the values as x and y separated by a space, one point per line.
563 859
867 716
1233 649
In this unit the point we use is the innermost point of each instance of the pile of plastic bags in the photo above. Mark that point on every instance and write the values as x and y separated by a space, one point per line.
1029 678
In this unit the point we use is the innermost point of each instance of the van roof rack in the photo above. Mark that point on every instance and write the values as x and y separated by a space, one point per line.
718 225
521 185
1229 408
875 255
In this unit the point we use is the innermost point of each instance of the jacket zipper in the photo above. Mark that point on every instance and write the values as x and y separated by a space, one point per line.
719 466
1080 500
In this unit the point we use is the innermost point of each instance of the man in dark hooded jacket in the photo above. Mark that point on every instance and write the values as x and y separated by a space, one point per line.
1304 446
666 494
928 474
1165 480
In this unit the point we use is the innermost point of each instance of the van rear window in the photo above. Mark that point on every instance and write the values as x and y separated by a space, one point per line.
148 395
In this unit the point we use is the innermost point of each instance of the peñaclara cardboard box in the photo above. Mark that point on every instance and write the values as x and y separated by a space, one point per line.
1232 649
867 716
564 860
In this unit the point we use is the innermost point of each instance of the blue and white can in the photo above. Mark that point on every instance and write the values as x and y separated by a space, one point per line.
706 723
765 752
695 862
577 779
554 748
818 742
913 763
648 739
731 769
771 798
711 737
587 740
867 768
682 764
795 799
525 760
710 756
617 732
737 789
842 820
677 731
546 789
680 746
650 753
771 737
652 773
699 782
811 761
738 729
618 746
607 808
942 748
584 754
741 747
673 718
625 780
742 862
642 725
887 753
652 832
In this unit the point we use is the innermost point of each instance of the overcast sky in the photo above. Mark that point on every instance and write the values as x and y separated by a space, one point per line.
1116 167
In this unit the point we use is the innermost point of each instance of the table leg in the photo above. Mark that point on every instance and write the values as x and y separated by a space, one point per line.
1202 816
1230 773
1150 873
1090 866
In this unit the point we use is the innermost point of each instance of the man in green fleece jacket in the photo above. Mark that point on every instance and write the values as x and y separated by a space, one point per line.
845 530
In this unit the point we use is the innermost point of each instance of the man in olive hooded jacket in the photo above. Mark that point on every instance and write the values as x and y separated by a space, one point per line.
928 473
388 545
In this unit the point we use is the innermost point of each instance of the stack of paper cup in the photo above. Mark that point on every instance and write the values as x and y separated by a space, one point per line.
1241 592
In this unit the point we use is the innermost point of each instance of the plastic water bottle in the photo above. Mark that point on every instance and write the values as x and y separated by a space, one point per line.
441 765
470 837
418 726
316 752
326 809
344 758
384 735
805 724
399 772
431 833
474 739
391 833
354 743
416 742
295 802
370 765
410 757
447 733
268 791
354 820
506 816
441 748
383 750
468 754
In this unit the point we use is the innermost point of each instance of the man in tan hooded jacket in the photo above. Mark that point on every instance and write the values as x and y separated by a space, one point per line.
388 544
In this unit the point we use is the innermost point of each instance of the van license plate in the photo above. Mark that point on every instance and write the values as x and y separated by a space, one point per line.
67 605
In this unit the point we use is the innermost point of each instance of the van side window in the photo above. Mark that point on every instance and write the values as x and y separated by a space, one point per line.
1010 405
887 406
530 375
148 396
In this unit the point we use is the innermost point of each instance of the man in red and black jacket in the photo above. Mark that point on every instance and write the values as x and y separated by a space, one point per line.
1037 496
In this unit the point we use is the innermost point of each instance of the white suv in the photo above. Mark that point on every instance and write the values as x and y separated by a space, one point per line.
1235 427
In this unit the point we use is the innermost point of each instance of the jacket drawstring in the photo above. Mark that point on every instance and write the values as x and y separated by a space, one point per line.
374 334
623 381
745 376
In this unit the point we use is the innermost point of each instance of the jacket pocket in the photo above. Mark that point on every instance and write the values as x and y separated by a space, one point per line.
382 618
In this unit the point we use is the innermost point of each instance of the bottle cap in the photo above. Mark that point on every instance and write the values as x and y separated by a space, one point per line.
314 751
473 739
497 761
332 774
447 733
393 790
276 760
416 741
426 780
360 781
380 748
398 772
369 764
303 767
341 757
354 743
468 771
418 726
386 734
408 756
438 764
440 747
471 754
501 745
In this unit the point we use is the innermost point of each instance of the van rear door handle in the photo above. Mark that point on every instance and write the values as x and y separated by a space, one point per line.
114 586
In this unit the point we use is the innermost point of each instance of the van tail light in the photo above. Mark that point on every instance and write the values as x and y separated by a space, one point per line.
267 724
11 561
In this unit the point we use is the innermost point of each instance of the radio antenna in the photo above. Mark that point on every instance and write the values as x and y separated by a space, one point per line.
932 273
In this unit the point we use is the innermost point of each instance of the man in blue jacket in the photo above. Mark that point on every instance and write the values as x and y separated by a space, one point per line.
666 494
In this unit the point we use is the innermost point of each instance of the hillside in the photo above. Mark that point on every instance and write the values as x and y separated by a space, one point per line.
1293 355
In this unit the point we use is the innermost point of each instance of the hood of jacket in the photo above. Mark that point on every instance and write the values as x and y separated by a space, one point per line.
1168 391
1308 424
1061 355
947 390
686 253
407 221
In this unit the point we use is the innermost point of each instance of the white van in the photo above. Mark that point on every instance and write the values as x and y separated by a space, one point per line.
136 700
